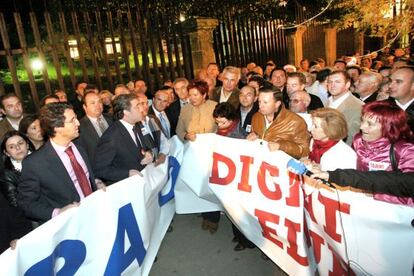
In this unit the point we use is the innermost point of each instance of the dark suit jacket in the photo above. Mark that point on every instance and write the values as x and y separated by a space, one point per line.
371 98
5 126
409 111
151 113
173 112
116 154
45 184
233 99
88 137
315 102
249 116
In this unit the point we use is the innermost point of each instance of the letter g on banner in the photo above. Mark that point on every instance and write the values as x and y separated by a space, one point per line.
72 251
173 169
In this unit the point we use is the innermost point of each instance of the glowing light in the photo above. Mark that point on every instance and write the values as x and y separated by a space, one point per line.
37 64
182 18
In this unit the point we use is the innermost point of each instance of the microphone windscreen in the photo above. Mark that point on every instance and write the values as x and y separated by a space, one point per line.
296 166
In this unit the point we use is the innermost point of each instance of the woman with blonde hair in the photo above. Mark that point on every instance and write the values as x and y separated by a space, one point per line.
328 149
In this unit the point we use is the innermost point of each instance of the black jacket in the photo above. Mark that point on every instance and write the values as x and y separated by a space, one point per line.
8 185
392 183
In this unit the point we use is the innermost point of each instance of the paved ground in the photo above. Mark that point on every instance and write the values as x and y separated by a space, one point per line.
189 250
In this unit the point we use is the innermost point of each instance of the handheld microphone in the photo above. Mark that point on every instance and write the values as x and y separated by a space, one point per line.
298 167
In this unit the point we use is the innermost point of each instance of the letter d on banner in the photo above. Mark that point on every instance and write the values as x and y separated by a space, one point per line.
215 178
119 261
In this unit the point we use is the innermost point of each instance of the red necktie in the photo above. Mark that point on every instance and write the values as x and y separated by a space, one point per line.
80 174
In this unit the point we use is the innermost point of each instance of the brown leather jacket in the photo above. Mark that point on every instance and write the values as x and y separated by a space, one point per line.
287 129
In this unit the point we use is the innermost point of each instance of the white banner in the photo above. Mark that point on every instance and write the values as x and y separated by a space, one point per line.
300 229
112 232
349 231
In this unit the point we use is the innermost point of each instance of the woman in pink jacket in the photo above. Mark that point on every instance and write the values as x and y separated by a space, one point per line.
385 136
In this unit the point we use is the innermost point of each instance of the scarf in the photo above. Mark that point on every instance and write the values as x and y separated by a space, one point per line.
319 148
228 130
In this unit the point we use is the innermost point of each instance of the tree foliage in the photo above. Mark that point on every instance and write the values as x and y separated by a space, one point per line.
376 17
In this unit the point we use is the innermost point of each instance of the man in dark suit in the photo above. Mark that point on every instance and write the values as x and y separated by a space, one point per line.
173 111
248 107
12 109
58 175
75 99
367 86
120 152
402 90
229 92
296 81
157 110
93 125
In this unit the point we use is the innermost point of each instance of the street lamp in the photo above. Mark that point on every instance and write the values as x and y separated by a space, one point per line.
37 64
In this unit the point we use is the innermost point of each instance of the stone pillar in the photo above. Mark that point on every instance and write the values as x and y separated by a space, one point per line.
295 42
330 46
200 31
359 42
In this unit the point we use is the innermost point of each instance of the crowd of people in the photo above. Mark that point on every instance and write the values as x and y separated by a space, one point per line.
357 114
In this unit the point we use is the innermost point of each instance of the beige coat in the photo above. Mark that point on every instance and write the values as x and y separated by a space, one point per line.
196 119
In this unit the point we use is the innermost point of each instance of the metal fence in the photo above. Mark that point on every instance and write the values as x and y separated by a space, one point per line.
100 47
240 40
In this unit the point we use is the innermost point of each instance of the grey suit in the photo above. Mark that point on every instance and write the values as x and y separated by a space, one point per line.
351 108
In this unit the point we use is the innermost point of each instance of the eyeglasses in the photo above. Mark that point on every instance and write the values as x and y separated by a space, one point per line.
295 101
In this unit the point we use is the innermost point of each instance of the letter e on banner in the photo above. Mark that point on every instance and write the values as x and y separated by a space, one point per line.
119 261
267 232
72 251
215 178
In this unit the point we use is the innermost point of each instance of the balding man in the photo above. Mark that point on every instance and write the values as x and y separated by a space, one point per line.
367 86
296 81
299 103
402 90
157 109
121 89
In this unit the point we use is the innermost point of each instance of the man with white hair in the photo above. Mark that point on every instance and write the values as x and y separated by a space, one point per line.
229 92
367 86
298 103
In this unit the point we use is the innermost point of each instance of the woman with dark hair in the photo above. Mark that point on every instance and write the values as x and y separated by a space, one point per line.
227 121
385 143
228 125
15 147
196 117
30 126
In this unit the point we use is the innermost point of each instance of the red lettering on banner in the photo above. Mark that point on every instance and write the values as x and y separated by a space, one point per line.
294 181
292 250
309 207
339 267
317 242
264 217
244 179
331 207
215 178
261 180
